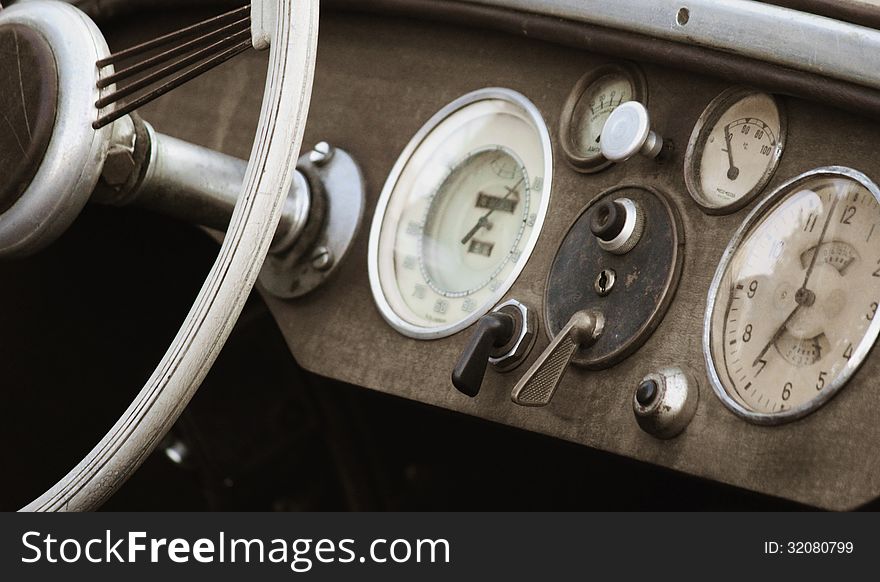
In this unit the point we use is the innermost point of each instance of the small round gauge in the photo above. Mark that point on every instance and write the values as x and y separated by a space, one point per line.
460 213
588 106
791 311
734 149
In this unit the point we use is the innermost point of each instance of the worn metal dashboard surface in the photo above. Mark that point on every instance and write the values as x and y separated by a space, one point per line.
378 80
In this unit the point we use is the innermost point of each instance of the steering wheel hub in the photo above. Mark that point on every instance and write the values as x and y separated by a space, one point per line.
50 156
28 99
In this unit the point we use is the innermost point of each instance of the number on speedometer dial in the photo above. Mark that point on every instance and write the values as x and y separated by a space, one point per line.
460 213
792 310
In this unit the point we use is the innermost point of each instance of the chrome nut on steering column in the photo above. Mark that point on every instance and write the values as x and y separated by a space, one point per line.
120 164
338 196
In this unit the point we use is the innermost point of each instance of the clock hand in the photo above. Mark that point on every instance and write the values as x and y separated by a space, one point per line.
804 297
821 240
777 335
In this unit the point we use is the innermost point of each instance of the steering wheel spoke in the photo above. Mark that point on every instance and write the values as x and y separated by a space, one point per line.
197 48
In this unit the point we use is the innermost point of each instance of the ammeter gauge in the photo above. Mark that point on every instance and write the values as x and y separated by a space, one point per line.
591 101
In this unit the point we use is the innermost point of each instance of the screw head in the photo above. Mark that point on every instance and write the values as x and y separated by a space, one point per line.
805 297
321 153
322 258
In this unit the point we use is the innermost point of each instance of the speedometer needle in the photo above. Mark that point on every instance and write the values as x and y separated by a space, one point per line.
483 221
733 171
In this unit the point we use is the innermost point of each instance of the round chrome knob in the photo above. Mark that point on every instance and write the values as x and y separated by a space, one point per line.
627 132
664 402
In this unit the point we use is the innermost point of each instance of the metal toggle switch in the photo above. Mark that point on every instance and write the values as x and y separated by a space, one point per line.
539 383
502 338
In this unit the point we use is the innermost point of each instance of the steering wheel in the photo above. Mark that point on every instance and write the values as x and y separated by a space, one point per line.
54 157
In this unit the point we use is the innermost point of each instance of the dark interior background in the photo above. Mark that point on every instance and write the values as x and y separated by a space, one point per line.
84 322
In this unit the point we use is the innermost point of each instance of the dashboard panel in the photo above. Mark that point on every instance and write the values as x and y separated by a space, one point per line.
378 82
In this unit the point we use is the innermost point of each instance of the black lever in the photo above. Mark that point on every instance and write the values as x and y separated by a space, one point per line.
494 330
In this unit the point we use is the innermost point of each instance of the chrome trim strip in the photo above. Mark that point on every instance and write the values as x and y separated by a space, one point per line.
762 31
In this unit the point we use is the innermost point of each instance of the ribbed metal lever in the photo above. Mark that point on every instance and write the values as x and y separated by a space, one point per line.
538 385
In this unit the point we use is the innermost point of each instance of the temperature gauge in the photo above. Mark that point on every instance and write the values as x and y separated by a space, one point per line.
734 150
591 101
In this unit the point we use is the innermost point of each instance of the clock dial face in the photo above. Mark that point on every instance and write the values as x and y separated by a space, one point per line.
795 302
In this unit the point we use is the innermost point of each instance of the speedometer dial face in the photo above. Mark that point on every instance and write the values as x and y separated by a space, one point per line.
460 213
791 313
734 149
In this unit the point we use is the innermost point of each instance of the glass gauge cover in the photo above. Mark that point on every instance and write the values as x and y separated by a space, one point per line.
791 311
588 106
460 213
734 149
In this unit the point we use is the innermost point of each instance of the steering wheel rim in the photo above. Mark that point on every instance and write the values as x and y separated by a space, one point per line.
268 178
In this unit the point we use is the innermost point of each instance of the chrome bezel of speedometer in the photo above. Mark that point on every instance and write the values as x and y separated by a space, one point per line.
707 124
430 178
776 202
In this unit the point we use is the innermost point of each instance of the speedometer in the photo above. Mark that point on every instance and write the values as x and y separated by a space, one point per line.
460 213
792 311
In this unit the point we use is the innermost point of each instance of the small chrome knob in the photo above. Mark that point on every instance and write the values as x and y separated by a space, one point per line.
627 132
617 225
664 402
